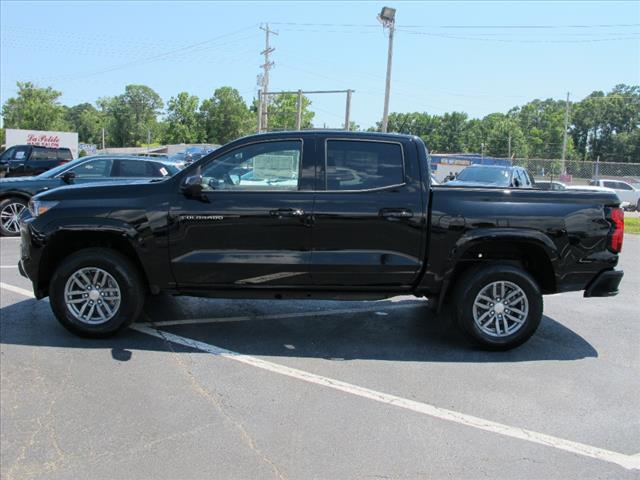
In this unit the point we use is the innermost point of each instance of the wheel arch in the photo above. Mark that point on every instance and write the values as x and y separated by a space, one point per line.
534 252
67 241
15 194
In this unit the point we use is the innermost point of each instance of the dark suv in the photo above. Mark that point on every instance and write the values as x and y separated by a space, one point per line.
29 160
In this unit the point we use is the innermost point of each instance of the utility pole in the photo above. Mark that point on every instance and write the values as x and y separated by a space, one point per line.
266 66
260 109
347 114
566 127
388 19
299 111
509 145
148 139
102 138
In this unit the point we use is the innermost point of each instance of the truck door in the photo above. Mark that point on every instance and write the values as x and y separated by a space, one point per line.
368 219
41 160
17 161
251 226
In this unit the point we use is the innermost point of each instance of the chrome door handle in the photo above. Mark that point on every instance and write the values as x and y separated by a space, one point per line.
396 213
287 212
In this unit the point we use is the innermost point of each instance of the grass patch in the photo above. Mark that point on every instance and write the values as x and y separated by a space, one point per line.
632 225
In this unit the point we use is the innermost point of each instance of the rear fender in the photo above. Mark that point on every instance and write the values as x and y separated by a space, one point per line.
476 239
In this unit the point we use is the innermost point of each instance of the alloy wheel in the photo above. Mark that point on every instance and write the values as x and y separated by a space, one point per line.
500 309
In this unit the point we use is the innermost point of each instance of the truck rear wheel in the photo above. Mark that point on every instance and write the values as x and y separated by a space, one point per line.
498 306
96 292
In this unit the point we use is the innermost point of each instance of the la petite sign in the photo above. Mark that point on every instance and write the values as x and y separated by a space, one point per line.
52 141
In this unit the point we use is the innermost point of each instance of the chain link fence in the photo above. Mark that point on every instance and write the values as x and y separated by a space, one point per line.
579 172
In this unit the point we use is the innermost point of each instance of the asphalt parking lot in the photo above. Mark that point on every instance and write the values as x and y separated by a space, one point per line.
290 389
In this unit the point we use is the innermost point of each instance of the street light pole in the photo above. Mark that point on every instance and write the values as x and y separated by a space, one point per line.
388 19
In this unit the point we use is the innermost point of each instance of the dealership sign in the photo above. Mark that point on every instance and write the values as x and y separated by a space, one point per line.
43 139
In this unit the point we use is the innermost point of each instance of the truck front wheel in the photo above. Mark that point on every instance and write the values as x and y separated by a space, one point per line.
96 292
498 306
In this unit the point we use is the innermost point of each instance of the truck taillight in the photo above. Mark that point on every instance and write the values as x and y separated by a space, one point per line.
616 237
62 162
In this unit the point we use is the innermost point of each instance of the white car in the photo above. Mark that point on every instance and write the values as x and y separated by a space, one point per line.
595 188
628 192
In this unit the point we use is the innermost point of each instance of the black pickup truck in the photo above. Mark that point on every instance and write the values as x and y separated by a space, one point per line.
319 214
28 160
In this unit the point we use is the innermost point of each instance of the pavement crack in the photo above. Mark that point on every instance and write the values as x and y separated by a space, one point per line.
215 401
45 425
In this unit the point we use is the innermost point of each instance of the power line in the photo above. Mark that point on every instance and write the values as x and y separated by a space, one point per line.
154 57
548 26
505 40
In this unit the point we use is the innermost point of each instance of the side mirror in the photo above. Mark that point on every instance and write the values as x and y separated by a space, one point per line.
192 186
68 177
516 182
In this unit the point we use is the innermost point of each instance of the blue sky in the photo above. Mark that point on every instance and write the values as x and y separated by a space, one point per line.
89 50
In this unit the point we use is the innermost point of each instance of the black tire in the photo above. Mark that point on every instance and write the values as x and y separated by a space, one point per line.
8 228
469 287
121 270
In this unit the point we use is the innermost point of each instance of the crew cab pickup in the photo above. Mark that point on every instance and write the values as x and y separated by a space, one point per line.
319 214
28 160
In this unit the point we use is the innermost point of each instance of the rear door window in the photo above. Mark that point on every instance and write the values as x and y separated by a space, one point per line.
40 153
363 165
132 168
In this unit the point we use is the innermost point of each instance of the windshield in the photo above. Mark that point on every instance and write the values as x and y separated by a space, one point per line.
497 176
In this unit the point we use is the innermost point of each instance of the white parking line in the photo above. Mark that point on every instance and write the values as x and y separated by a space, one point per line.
630 462
21 291
8 266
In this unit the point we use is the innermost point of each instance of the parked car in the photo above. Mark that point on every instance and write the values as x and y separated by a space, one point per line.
492 176
26 160
16 192
325 214
550 185
627 191
592 188
193 154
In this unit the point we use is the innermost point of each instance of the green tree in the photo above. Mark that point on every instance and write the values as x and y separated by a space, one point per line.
132 116
225 116
452 132
283 109
421 124
88 121
474 136
542 121
604 123
183 123
34 108
499 128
